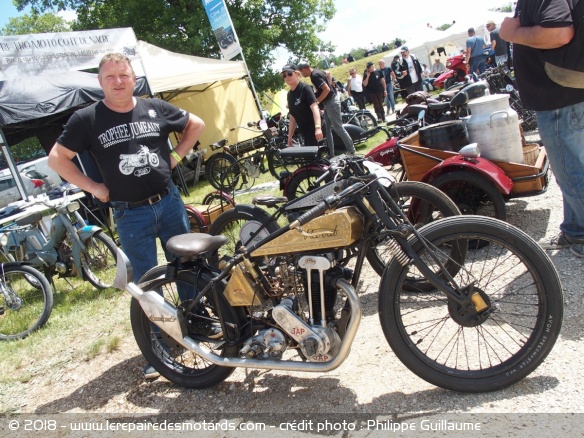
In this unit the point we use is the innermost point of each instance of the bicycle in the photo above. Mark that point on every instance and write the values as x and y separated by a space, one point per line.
26 300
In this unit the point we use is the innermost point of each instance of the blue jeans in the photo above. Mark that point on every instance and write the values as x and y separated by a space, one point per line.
390 99
562 133
333 120
477 65
139 227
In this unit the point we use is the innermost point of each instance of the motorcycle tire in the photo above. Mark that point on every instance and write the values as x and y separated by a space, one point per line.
422 204
303 182
276 164
99 261
31 301
239 225
434 338
472 194
166 355
449 83
223 171
364 120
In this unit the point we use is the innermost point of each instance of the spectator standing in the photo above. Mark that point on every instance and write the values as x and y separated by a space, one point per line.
147 205
539 25
303 107
475 57
327 95
374 81
396 66
498 44
411 72
437 68
389 77
355 88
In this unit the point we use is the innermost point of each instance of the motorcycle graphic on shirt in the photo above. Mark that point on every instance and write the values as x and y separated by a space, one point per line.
139 161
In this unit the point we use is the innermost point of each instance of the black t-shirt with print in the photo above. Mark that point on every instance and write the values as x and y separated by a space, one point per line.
538 92
318 78
130 149
299 101
374 85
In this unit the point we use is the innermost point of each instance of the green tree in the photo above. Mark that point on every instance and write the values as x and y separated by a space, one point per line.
35 23
182 26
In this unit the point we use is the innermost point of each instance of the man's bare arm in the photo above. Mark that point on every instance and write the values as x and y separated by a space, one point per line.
60 161
190 135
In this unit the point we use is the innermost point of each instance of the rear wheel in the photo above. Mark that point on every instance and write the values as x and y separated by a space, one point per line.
99 260
460 348
365 121
472 194
166 355
26 301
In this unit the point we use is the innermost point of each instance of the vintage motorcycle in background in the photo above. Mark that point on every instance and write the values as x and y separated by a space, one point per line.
462 316
67 247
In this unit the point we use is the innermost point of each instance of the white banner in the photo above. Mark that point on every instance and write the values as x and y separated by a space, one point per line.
35 54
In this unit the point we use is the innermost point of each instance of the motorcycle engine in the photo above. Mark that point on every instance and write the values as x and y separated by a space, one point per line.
304 311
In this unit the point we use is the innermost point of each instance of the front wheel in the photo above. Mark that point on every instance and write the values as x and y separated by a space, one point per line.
422 204
26 301
99 261
302 183
166 355
222 171
456 348
365 120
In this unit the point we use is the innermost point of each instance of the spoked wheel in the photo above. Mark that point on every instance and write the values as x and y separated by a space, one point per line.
242 226
472 194
302 183
223 171
463 349
166 355
99 261
364 120
26 301
422 203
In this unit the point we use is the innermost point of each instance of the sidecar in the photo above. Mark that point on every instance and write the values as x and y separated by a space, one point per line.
477 185
202 216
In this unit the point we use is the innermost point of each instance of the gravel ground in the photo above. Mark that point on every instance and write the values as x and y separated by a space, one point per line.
371 384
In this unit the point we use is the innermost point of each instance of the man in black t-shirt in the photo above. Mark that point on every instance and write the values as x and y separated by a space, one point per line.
540 25
329 98
377 88
128 140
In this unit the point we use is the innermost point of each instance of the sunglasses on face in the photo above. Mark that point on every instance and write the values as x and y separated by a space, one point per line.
287 73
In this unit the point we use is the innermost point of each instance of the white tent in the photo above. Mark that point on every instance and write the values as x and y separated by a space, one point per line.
424 41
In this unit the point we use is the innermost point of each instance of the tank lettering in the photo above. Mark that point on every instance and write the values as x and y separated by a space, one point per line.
298 331
321 233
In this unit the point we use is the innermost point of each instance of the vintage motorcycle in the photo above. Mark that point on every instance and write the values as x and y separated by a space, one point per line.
464 317
129 162
68 247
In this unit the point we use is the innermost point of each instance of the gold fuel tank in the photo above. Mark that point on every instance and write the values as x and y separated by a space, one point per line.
340 228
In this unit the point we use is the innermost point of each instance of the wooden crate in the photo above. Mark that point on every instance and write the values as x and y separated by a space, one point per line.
212 212
420 160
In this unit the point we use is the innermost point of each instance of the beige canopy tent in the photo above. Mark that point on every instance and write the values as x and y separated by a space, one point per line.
215 90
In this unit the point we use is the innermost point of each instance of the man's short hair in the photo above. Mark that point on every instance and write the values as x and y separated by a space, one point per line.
115 57
471 30
303 64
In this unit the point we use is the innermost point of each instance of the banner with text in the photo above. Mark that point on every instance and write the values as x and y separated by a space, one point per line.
35 54
222 27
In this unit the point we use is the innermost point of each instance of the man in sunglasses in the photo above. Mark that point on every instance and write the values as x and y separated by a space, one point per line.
330 100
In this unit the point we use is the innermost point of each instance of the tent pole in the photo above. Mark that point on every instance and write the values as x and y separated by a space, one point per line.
12 166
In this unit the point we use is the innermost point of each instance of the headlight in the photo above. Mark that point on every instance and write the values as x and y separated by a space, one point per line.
3 240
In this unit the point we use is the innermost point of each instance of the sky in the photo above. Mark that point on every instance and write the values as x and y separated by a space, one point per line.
356 26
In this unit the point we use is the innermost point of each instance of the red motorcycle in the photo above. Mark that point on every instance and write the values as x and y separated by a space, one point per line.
456 71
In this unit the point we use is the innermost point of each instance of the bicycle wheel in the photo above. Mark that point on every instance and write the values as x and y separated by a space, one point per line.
240 225
303 182
364 120
167 356
26 301
222 171
276 164
422 203
472 194
457 349
99 261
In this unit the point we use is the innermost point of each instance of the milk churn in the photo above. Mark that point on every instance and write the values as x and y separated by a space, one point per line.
495 127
